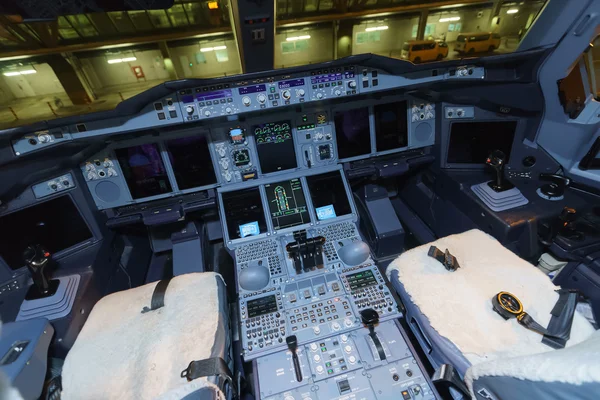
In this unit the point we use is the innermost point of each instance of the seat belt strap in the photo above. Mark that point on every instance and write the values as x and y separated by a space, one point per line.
215 366
562 320
158 296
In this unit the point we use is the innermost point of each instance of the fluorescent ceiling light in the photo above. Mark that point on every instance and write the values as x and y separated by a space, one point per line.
449 19
512 11
219 47
115 61
24 72
294 38
377 28
127 59
205 49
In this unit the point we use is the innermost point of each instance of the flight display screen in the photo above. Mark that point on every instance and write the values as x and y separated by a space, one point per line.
472 142
275 146
144 170
287 204
328 195
244 214
264 305
391 126
55 224
191 162
361 280
352 132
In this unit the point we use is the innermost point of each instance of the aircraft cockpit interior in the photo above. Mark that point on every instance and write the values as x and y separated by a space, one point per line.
415 223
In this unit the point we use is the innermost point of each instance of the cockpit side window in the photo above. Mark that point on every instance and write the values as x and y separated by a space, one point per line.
591 59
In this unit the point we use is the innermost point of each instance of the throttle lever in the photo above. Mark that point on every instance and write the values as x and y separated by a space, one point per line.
370 318
292 343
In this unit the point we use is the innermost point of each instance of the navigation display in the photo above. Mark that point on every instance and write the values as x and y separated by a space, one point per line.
360 280
144 170
55 224
391 126
264 305
328 195
275 146
287 204
191 162
352 132
472 142
244 213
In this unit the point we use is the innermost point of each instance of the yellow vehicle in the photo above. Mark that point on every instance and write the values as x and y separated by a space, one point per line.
477 42
417 51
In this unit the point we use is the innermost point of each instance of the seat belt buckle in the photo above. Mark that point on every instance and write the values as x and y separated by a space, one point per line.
448 260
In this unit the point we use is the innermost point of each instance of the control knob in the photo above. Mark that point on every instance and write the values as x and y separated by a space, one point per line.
286 94
189 110
319 95
352 359
316 330
348 349
207 113
313 347
228 176
228 110
348 323
111 172
337 92
246 100
335 326
344 338
320 369
261 98
45 138
300 92
224 163
352 84
317 358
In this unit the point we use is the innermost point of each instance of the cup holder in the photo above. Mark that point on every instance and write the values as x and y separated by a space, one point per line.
254 278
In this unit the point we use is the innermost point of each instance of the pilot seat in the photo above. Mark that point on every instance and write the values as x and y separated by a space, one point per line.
131 348
451 315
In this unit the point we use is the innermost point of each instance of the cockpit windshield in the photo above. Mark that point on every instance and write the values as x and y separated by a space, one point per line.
75 64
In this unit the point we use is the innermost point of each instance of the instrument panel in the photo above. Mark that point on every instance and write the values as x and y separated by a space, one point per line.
152 166
319 107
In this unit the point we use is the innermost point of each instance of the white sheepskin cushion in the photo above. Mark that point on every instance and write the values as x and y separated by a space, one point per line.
576 364
123 354
458 304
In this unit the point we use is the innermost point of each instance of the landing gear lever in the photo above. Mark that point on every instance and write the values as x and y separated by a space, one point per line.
370 318
292 343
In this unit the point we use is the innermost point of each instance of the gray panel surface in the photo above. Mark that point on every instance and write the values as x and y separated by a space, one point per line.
358 387
276 372
56 185
394 380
